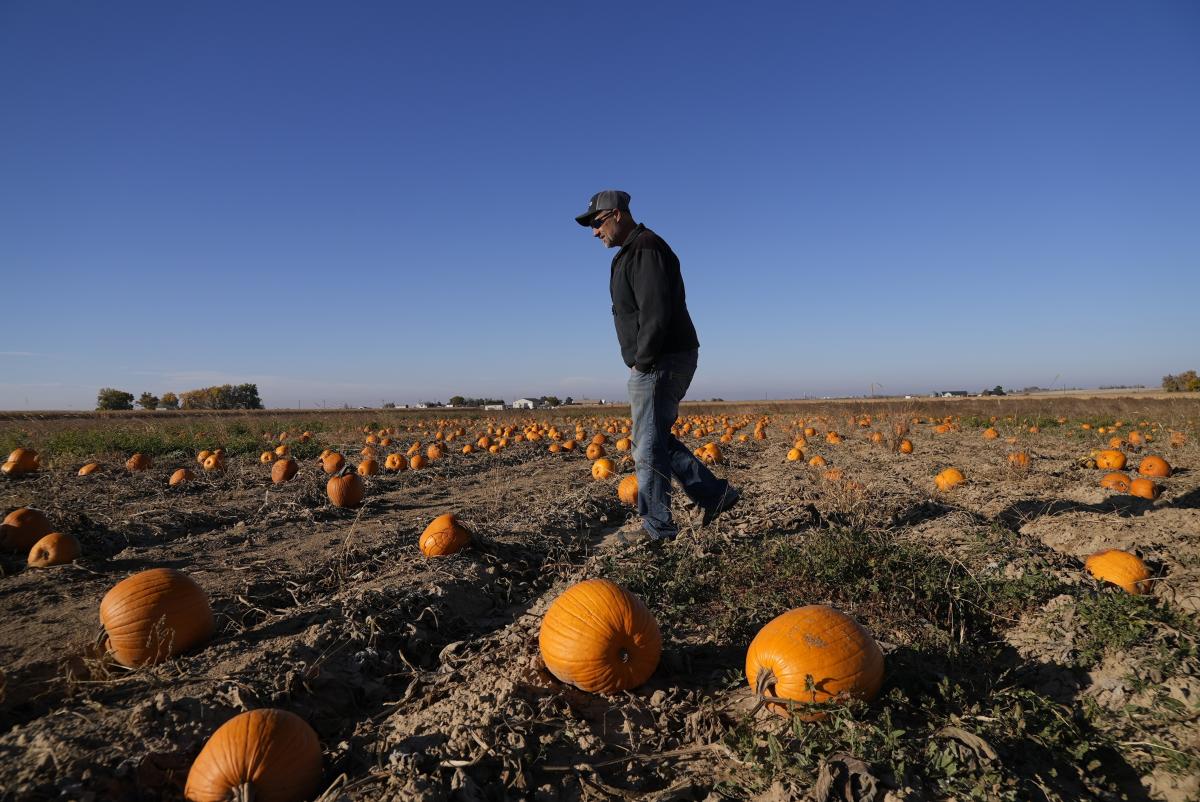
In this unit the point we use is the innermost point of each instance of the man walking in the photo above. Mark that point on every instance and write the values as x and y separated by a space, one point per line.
658 343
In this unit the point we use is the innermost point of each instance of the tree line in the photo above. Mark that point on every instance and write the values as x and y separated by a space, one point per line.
1186 382
224 396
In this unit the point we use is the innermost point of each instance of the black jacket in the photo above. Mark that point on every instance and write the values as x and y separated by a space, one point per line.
648 304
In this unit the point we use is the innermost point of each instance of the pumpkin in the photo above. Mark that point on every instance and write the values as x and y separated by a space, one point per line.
594 451
22 460
1110 460
905 447
89 469
990 433
600 637
624 444
468 449
270 755
949 478
1121 568
155 615
282 451
22 528
443 536
332 462
1034 429
203 455
794 454
833 475
814 654
818 461
395 462
138 462
1116 481
215 462
368 467
1144 488
267 457
1018 460
283 470
434 452
603 468
345 489
627 490
1154 466
417 462
712 454
55 548
833 437
180 476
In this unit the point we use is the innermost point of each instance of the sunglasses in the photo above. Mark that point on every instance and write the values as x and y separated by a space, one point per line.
599 220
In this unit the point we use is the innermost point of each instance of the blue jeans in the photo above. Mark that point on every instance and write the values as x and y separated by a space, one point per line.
654 405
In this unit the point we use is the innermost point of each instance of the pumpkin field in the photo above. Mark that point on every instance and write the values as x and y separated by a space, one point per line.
962 599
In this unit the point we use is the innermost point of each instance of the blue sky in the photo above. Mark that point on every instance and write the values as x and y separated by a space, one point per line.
360 202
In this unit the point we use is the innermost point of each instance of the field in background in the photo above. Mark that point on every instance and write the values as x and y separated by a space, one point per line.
1010 673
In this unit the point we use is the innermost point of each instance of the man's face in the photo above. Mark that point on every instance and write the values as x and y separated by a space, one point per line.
604 226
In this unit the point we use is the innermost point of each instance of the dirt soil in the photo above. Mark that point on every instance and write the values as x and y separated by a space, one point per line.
422 677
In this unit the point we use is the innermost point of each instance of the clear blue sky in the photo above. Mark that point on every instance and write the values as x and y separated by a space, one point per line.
358 202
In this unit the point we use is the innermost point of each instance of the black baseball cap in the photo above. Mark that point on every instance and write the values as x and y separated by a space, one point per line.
602 201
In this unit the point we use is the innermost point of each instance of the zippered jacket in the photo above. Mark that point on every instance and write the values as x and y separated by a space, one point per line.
648 303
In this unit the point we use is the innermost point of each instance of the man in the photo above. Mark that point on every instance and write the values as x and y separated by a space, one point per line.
658 343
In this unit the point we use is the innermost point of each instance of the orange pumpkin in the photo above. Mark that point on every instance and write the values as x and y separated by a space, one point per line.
267 754
627 490
181 475
1110 460
795 455
434 452
949 478
1125 570
444 536
603 468
283 470
22 528
711 453
624 444
1144 488
55 548
138 462
814 654
417 462
345 489
905 447
395 462
267 457
1116 481
155 615
594 451
89 469
818 461
21 461
600 637
1018 460
1154 466
990 433
203 455
368 467
332 462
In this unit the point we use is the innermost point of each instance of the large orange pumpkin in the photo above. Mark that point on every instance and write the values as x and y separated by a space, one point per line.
600 637
345 489
949 478
1110 460
22 528
1144 488
627 490
444 536
155 615
55 548
1154 466
283 470
814 654
22 460
267 755
332 462
1121 568
181 475
594 451
603 468
368 467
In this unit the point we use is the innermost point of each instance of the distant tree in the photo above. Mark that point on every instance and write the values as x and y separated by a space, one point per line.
390 405
109 398
568 401
148 401
457 401
997 390
1185 382
169 401
245 396
551 400
225 396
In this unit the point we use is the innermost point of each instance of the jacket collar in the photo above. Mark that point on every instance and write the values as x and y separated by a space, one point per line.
633 235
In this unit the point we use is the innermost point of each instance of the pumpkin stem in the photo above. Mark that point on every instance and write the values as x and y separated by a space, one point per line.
765 683
243 793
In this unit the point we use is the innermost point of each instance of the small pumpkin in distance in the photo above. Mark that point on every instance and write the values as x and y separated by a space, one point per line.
332 462
267 457
154 615
55 548
368 467
600 637
905 447
180 476
603 468
443 536
1121 568
1110 459
267 754
814 654
1018 460
417 462
395 463
22 528
1116 481
594 451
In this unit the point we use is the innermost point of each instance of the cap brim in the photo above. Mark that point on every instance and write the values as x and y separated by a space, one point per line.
586 218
